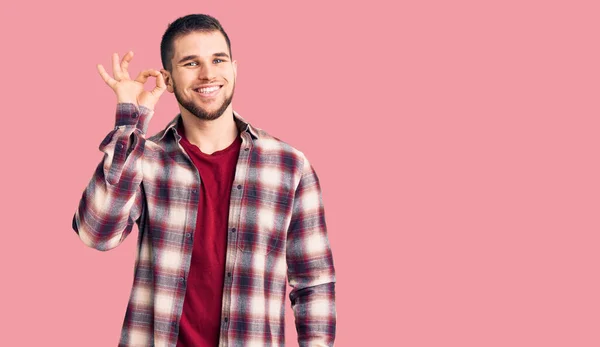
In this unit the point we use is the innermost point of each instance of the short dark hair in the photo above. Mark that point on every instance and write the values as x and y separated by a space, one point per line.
186 25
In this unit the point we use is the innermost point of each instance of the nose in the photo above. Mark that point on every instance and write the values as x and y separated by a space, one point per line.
206 72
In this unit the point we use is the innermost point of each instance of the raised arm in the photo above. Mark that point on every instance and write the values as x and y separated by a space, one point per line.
113 200
311 273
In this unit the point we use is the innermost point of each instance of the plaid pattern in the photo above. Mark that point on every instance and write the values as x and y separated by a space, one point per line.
276 228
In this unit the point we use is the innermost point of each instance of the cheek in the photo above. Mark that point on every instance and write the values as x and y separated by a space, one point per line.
183 78
229 73
231 78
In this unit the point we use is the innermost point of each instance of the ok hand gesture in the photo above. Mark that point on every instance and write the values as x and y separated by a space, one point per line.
133 91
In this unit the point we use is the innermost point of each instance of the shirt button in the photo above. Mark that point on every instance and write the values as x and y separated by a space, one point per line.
134 115
120 145
232 230
226 319
195 191
182 279
229 274
188 235
246 149
239 186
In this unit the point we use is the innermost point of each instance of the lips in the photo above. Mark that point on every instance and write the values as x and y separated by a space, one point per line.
208 90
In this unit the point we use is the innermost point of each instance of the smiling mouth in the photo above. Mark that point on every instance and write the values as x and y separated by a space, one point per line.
208 91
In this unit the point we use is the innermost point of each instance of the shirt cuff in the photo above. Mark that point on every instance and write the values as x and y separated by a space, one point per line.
129 114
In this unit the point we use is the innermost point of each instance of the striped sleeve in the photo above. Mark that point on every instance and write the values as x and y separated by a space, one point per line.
113 201
311 271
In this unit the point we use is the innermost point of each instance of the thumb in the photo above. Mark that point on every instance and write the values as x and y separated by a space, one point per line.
160 83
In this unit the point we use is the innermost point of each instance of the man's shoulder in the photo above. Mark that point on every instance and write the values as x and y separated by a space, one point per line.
269 145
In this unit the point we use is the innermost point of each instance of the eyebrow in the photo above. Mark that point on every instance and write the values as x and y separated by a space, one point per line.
193 56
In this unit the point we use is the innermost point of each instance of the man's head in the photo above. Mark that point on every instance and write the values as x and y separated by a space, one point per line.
197 65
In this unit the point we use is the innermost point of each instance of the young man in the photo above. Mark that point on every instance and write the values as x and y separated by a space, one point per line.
225 211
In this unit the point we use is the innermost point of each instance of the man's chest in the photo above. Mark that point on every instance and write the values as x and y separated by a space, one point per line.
260 192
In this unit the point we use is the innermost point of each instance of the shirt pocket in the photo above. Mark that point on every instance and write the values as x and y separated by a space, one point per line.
264 218
257 241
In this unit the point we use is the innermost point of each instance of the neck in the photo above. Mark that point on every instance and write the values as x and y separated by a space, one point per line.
210 135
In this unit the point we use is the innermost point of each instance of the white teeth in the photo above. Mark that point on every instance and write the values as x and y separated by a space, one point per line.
208 89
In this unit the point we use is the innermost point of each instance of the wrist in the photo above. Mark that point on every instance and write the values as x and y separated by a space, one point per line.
126 100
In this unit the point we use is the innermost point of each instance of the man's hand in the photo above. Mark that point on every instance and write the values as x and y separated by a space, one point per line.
133 91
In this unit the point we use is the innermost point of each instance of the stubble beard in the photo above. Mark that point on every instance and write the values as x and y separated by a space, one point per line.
200 112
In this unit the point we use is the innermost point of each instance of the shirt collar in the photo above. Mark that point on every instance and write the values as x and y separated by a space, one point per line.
240 122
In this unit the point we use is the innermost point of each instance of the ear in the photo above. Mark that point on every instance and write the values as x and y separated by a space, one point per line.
234 64
168 80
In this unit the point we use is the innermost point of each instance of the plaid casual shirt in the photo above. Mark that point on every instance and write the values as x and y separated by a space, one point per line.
276 230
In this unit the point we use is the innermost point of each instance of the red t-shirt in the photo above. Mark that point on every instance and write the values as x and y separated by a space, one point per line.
201 318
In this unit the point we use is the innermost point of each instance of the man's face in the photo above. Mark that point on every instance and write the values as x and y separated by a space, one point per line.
202 74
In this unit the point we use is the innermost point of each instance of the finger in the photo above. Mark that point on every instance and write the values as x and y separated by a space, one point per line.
116 67
125 64
160 81
143 76
105 76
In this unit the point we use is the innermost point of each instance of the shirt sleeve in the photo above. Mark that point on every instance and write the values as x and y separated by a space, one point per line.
113 199
311 272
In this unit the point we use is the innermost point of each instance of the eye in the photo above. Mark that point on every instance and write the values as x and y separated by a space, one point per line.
193 62
217 61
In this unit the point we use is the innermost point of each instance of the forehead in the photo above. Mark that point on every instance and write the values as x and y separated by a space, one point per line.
199 43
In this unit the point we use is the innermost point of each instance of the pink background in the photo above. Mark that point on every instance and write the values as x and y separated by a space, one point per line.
456 142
